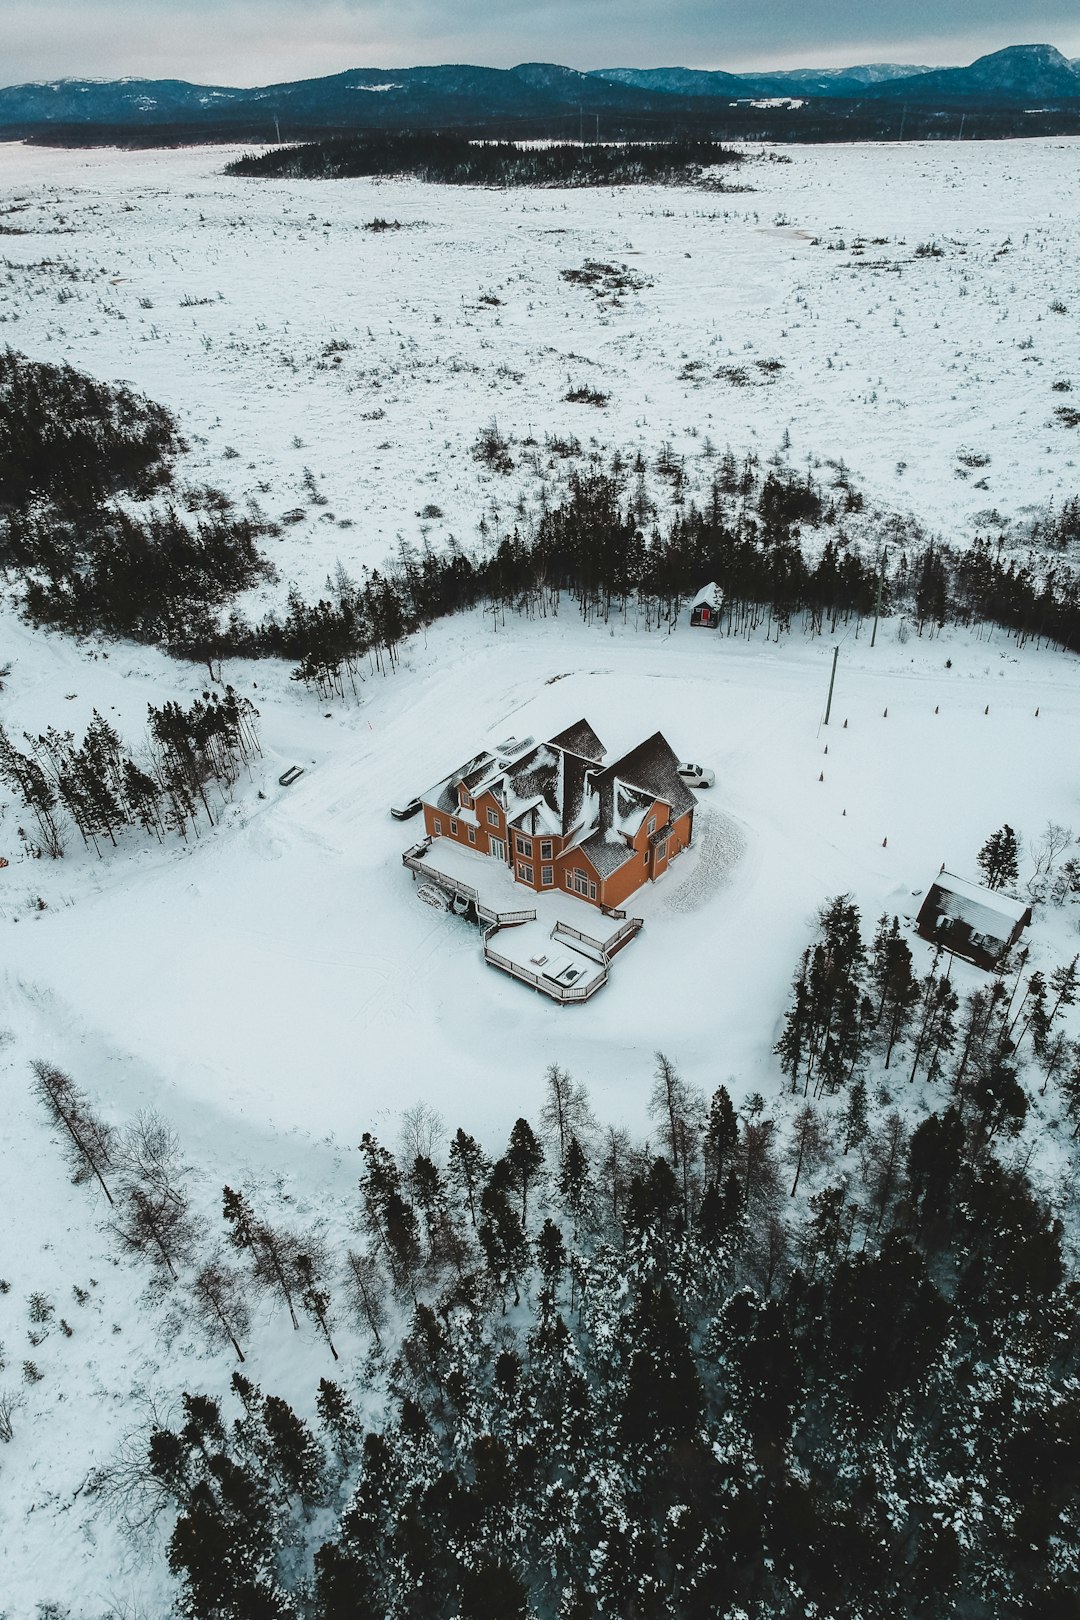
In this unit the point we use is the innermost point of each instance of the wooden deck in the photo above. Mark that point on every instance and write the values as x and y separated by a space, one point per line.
595 954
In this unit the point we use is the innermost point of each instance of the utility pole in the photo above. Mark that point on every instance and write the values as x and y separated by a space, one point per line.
277 130
832 682
877 603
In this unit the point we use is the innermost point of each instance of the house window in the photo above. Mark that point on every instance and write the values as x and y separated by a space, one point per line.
592 891
545 849
453 827
472 835
524 871
661 850
581 882
546 876
493 818
436 826
652 825
524 847
569 879
466 801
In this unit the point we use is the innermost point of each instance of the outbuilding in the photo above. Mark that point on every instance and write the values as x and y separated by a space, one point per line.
981 925
705 608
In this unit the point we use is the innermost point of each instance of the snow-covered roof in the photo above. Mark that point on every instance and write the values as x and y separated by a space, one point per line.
632 805
552 788
604 854
986 912
709 596
580 738
652 767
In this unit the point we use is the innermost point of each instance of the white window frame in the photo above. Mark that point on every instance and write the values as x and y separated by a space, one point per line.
492 817
547 877
523 846
545 849
472 835
525 871
661 850
436 826
453 826
652 826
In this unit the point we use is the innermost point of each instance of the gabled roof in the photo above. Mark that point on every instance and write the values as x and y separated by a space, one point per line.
652 767
444 795
631 807
985 911
709 596
561 786
580 738
604 854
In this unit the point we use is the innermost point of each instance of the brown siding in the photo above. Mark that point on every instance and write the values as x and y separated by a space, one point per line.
625 881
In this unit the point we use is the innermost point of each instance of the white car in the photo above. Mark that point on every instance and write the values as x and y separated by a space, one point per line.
697 776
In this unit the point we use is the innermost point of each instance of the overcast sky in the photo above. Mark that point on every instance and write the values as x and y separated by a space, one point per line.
246 42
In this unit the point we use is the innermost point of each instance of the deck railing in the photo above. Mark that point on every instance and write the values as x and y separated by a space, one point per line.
547 987
608 947
413 858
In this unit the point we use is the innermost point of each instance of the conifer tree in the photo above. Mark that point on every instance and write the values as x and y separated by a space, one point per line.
468 1168
91 1140
721 1136
524 1160
999 858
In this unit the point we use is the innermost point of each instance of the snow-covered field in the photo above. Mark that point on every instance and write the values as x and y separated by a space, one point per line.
222 297
274 988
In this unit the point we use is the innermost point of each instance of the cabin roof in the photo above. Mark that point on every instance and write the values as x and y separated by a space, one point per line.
985 911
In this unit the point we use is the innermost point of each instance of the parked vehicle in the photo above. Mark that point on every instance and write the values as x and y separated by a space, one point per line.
404 809
293 774
697 776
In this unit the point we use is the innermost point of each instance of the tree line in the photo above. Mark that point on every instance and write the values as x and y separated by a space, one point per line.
100 789
778 544
453 160
604 550
735 1369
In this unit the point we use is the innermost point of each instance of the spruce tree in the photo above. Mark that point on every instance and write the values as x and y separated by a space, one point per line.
999 858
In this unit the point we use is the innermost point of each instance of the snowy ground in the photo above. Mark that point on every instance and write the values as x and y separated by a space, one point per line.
222 297
276 988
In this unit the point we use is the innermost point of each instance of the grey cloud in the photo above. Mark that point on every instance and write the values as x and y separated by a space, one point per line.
244 42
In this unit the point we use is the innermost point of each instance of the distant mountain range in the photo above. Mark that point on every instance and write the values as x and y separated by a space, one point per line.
458 96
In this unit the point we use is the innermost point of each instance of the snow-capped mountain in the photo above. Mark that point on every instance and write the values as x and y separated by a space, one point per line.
463 94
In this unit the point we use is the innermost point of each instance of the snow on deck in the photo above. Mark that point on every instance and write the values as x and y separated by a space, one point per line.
530 946
499 891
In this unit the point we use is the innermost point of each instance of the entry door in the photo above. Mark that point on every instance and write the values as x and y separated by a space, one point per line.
497 847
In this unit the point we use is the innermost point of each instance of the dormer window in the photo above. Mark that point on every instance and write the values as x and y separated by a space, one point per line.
465 798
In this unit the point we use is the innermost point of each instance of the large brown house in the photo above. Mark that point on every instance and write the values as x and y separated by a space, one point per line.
562 819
